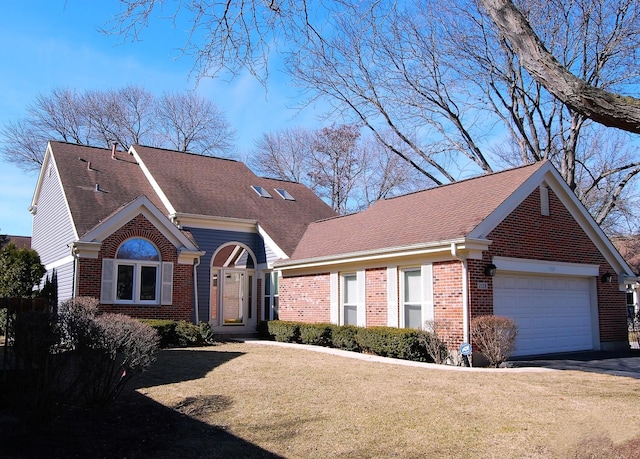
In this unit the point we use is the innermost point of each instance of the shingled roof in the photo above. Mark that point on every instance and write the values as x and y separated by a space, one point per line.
97 185
201 185
444 213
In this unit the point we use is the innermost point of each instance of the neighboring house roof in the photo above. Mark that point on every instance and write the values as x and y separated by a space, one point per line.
444 213
629 248
97 185
21 242
206 186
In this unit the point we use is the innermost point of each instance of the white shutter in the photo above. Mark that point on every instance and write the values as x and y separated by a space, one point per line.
166 290
392 297
427 293
362 307
107 287
334 300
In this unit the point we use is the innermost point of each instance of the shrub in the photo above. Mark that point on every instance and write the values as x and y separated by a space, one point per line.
401 343
119 347
344 337
434 346
315 334
494 337
166 330
284 332
188 334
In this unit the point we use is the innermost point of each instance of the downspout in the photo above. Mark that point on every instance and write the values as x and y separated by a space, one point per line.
196 263
465 293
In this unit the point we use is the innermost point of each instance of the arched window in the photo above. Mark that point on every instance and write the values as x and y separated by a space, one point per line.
137 267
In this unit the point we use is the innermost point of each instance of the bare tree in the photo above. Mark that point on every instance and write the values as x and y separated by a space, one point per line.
350 172
131 115
441 85
189 123
284 154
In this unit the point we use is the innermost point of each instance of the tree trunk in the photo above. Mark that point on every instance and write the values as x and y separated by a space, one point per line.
613 110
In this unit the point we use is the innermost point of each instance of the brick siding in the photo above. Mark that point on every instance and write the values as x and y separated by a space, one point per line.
89 280
304 298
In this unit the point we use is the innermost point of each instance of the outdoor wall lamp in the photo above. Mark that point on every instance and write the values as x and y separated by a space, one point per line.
606 278
490 270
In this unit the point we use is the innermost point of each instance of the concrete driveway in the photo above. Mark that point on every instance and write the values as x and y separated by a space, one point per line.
622 363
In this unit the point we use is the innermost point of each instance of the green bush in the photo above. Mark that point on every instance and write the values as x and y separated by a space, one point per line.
400 343
284 332
344 337
188 334
315 334
166 330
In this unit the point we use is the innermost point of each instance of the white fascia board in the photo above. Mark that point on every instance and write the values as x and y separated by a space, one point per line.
525 265
278 252
43 168
467 248
154 184
549 176
511 203
141 205
241 225
50 161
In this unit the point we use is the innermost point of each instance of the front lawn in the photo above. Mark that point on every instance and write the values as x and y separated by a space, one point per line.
248 400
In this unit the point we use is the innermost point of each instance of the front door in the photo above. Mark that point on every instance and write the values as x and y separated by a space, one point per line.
233 297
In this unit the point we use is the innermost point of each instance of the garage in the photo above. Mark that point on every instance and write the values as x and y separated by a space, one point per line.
553 313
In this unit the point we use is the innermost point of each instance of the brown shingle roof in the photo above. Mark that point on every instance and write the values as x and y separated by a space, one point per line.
119 181
439 214
203 185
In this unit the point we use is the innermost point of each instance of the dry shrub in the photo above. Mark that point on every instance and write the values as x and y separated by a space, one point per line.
494 337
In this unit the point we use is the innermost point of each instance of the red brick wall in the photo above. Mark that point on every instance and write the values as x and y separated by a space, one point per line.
91 274
305 298
376 296
447 301
526 233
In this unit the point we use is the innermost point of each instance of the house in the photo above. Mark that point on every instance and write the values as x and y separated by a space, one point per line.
21 242
516 243
629 248
155 233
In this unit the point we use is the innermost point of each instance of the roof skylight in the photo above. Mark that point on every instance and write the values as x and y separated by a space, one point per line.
284 194
261 191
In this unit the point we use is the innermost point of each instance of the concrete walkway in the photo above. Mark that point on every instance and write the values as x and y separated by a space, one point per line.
390 361
625 363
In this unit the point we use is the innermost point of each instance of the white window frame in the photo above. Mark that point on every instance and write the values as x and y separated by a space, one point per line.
426 294
359 300
137 278
272 279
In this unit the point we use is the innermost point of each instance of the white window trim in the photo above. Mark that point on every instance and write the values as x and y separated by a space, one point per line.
361 313
426 293
164 282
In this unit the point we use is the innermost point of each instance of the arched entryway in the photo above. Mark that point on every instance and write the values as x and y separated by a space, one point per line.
233 286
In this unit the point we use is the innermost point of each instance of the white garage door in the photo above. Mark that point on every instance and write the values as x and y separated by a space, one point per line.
553 313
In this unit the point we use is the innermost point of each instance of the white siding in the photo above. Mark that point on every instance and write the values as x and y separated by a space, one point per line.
52 226
65 282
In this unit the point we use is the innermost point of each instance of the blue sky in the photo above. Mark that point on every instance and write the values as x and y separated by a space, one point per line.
46 44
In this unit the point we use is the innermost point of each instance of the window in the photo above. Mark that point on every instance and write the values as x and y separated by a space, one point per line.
284 194
262 192
350 299
136 271
412 298
270 296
